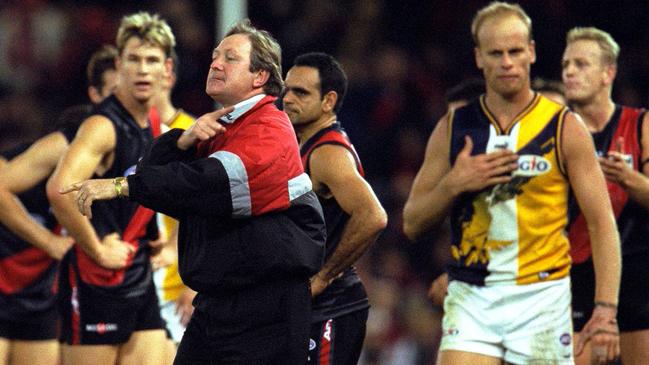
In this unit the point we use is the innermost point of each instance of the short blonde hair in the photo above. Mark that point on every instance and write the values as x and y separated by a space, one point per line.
265 54
608 45
149 28
497 9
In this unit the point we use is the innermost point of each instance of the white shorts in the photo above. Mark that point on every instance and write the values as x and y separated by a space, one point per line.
174 326
521 324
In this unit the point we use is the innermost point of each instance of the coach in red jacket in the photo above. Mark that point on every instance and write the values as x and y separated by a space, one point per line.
251 228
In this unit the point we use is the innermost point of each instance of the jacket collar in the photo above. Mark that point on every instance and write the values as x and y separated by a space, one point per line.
241 108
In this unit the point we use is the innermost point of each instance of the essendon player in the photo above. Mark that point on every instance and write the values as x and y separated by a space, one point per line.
107 298
315 89
30 248
621 136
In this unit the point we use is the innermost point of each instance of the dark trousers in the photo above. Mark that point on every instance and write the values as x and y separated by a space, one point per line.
261 325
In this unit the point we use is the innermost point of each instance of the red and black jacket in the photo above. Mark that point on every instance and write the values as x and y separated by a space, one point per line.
246 209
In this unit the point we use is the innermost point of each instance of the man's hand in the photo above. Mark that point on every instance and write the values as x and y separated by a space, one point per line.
205 127
91 190
438 290
616 169
602 329
184 305
474 173
162 255
318 284
114 253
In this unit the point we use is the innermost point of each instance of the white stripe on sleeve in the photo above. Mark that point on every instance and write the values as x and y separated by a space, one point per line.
239 187
299 186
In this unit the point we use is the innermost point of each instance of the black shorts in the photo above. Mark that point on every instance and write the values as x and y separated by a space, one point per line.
95 316
633 306
265 324
39 327
338 341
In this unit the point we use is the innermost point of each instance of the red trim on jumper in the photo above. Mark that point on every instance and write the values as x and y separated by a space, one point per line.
154 121
325 357
75 315
94 274
335 137
22 269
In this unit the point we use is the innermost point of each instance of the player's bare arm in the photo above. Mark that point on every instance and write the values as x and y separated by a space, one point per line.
94 141
333 170
22 173
437 185
587 182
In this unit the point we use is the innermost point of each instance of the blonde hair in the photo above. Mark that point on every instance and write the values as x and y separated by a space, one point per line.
265 54
610 48
497 9
149 28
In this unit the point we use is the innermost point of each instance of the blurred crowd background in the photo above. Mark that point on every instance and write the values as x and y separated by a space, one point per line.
400 57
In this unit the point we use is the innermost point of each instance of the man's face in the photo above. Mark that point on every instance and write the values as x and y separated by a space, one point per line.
141 69
583 73
230 80
505 54
302 99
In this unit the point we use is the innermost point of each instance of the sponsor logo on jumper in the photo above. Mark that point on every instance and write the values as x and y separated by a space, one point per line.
101 328
532 165
327 331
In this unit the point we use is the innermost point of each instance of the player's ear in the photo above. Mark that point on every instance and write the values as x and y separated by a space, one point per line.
94 95
329 101
610 72
478 57
532 52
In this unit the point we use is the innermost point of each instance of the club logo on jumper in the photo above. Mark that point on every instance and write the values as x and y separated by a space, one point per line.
532 165
565 339
312 344
101 328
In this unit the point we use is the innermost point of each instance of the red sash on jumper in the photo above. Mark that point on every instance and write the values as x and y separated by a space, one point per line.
94 274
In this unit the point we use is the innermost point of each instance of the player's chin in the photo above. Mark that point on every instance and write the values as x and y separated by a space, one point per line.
509 90
142 97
